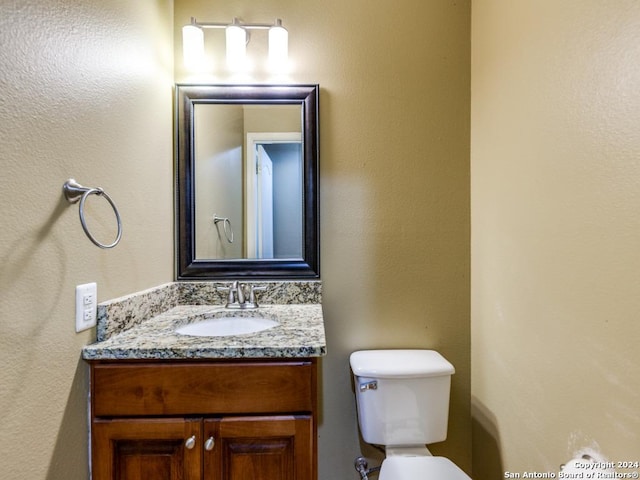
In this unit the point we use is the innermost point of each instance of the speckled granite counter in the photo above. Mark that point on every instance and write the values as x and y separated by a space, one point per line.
142 326
300 333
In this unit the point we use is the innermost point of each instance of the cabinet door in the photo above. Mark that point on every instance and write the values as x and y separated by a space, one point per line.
158 449
260 448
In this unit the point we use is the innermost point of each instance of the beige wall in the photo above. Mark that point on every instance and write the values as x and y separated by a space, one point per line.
394 108
556 232
85 93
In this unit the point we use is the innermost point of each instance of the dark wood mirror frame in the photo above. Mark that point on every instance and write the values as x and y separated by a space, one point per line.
188 267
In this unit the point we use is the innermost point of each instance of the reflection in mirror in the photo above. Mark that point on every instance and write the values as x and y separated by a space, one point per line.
246 181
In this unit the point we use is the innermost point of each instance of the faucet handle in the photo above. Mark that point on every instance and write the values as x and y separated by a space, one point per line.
252 294
232 292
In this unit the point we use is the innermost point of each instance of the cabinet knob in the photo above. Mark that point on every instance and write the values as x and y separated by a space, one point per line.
209 444
191 442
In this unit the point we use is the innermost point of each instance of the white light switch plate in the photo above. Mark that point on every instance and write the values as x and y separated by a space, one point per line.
86 306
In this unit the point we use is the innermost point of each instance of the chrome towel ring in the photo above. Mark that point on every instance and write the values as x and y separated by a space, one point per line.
226 225
75 192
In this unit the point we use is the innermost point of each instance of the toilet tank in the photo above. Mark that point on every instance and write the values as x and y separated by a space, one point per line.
402 396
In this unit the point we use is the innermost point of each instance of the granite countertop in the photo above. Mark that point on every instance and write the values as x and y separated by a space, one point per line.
300 333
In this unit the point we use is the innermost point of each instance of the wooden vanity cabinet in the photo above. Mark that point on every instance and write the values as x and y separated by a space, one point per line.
214 420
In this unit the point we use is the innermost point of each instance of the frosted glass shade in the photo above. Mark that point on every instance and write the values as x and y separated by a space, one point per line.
193 47
236 46
278 47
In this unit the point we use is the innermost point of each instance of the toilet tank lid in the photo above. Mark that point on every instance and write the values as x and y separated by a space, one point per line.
399 364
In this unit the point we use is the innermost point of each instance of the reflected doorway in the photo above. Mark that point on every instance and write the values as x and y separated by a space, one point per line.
273 179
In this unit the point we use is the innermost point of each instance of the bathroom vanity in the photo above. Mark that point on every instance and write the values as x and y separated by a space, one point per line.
218 420
170 406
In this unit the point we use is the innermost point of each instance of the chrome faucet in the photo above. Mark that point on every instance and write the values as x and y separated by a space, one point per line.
237 297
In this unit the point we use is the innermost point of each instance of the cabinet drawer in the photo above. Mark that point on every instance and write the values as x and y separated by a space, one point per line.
137 389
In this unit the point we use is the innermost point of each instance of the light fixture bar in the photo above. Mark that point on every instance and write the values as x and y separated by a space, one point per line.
249 26
237 38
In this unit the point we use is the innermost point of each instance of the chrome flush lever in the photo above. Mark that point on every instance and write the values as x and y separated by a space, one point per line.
373 385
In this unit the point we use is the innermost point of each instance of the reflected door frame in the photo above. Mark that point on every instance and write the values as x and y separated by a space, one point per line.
252 188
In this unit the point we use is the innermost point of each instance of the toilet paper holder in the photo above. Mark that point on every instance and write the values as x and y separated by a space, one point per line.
585 456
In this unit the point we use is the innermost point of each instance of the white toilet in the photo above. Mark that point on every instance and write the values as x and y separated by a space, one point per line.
403 404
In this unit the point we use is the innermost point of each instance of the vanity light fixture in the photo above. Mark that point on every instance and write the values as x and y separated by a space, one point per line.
237 37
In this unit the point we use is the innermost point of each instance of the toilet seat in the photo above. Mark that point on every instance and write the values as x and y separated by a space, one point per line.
420 468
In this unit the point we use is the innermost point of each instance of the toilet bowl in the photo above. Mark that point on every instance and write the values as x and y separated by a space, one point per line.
420 468
402 399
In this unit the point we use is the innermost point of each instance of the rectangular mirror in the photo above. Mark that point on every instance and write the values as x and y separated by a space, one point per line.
247 181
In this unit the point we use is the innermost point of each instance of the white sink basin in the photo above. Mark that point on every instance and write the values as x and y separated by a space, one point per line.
226 326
